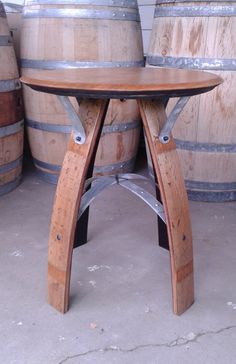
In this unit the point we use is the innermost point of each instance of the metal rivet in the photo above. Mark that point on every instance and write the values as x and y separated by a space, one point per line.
165 138
78 138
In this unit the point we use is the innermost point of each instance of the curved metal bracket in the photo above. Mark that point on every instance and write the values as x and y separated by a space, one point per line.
124 180
77 124
164 135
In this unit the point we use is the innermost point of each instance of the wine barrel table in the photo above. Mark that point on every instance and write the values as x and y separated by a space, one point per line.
93 89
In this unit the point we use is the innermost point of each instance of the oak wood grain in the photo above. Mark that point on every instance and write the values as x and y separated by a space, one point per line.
122 80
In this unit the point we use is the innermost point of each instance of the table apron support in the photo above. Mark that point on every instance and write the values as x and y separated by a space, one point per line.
124 180
77 124
164 135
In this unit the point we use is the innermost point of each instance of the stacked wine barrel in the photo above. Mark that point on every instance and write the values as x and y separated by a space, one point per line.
201 35
73 34
11 112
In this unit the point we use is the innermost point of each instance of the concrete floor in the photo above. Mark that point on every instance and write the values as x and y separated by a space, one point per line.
120 290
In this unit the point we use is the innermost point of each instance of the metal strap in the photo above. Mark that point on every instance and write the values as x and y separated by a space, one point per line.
11 129
51 65
45 165
11 165
2 11
77 124
52 128
124 180
164 135
5 40
8 187
13 8
66 129
211 196
9 85
120 127
214 64
112 168
195 11
113 3
82 14
205 147
158 2
209 186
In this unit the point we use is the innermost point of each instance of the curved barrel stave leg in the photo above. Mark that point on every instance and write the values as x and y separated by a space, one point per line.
174 197
67 200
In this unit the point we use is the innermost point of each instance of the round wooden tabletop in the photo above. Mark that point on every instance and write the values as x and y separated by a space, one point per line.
122 82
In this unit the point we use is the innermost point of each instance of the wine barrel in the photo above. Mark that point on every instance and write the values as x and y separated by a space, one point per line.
201 35
72 34
11 112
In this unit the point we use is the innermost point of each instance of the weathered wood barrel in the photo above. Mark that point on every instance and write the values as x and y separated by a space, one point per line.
201 35
71 34
11 112
14 13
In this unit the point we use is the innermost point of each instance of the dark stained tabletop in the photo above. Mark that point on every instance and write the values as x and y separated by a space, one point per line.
122 82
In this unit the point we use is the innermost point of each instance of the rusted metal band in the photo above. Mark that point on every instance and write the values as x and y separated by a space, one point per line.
82 14
214 64
195 11
52 65
113 3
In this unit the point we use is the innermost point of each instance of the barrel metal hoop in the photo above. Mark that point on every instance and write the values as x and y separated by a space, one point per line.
52 65
8 187
45 165
212 196
2 11
112 168
11 129
205 147
209 186
126 165
160 2
13 8
214 64
51 128
82 14
195 11
113 3
66 129
10 85
120 127
5 40
11 165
